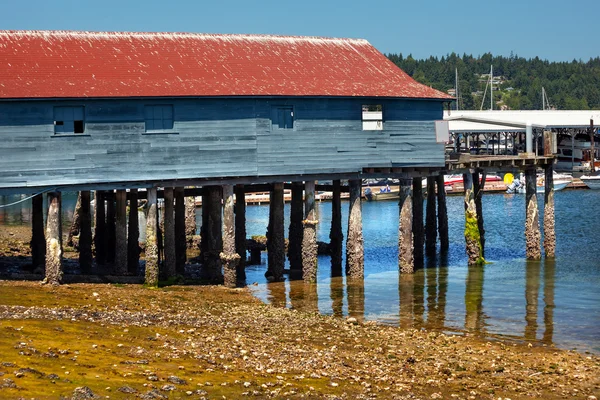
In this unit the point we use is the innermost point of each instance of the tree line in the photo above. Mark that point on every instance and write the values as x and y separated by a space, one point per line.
571 85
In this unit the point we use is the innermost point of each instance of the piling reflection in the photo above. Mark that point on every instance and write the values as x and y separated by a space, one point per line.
276 294
303 296
549 276
532 288
356 298
474 299
406 295
336 288
418 298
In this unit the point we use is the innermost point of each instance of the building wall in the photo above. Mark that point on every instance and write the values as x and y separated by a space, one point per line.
211 138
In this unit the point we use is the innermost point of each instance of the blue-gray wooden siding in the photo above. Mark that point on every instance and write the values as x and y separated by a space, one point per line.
211 138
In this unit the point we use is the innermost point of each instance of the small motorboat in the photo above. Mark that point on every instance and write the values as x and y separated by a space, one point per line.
383 193
592 181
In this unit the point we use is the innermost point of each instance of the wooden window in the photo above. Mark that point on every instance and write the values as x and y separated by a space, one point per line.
159 118
282 117
69 120
372 117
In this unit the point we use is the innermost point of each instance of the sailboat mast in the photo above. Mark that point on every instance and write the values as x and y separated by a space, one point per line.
543 99
491 87
456 87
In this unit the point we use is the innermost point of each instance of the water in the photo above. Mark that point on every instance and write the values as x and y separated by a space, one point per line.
552 301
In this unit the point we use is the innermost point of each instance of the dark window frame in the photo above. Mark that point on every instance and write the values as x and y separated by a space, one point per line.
159 118
279 117
69 120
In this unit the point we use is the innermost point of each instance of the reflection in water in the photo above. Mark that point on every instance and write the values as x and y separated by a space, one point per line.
356 298
474 299
418 297
406 295
336 287
549 274
276 294
303 296
532 288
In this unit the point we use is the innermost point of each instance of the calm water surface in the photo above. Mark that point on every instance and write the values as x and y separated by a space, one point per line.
552 301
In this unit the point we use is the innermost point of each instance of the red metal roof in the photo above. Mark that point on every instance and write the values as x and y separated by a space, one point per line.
51 64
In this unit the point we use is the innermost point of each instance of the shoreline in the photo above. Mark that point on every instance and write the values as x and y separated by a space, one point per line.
225 342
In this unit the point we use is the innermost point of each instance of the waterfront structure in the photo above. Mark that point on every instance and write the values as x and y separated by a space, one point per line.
113 112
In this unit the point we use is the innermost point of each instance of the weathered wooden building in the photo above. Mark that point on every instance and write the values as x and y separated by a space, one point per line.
114 111
81 108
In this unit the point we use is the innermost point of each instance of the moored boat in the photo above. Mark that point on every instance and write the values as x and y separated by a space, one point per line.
592 181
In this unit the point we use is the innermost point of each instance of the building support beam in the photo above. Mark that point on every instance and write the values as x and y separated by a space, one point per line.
355 255
442 215
133 234
110 229
120 267
406 262
533 249
418 229
180 236
309 237
76 224
549 232
190 220
212 237
85 233
151 255
336 237
240 231
229 257
296 230
38 240
478 185
472 238
431 220
276 242
100 227
170 263
54 247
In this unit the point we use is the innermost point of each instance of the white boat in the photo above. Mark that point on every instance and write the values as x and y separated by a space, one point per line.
593 182
561 181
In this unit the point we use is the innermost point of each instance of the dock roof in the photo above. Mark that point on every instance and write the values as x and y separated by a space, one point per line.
68 64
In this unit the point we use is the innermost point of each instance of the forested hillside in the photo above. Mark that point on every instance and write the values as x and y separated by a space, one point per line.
571 85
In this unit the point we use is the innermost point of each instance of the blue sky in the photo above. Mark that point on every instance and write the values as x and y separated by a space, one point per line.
551 29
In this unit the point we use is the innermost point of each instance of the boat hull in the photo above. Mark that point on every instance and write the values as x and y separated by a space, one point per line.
591 182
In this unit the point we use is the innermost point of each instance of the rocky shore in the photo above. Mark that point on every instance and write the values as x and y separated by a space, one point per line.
127 341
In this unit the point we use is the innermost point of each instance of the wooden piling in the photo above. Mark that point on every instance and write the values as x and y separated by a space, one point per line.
54 248
212 233
355 256
229 256
133 234
120 267
170 263
442 214
431 221
151 255
478 185
549 232
336 236
38 240
276 242
75 225
100 227
406 262
309 236
472 238
110 227
296 229
532 224
180 234
85 233
240 231
190 220
418 229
